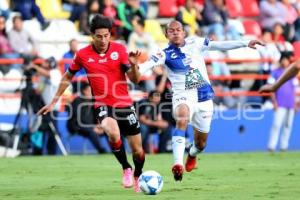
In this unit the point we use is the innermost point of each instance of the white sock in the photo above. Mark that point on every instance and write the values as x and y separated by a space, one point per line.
194 151
178 146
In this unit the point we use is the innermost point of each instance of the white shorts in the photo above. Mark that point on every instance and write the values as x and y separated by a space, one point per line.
201 113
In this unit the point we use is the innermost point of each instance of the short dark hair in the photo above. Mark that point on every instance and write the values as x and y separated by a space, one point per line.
100 21
52 62
171 22
141 22
286 54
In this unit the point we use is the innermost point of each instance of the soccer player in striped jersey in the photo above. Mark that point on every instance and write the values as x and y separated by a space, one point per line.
192 91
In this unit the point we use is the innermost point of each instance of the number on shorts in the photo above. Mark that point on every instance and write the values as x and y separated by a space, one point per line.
132 118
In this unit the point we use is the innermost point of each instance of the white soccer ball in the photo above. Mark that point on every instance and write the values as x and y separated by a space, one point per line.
151 182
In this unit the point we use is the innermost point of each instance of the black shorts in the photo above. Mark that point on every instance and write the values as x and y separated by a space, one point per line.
126 118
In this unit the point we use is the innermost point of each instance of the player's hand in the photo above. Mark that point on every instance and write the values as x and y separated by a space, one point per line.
162 124
133 57
252 44
46 109
267 88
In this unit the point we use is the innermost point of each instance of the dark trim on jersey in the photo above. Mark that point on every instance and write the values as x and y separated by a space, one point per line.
125 67
95 49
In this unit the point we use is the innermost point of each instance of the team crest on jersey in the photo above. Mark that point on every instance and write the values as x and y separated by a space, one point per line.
114 55
194 79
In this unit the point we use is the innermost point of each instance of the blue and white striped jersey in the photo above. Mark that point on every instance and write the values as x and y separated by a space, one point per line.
186 66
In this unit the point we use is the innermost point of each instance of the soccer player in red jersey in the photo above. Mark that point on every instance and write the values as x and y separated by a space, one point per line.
106 64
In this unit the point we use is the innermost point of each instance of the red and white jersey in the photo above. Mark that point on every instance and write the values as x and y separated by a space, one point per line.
106 74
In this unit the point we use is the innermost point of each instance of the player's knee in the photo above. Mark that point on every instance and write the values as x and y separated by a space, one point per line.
138 151
110 126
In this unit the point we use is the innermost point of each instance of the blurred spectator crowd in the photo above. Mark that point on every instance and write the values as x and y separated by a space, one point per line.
54 30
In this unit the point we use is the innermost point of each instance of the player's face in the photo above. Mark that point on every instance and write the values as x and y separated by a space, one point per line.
101 38
175 34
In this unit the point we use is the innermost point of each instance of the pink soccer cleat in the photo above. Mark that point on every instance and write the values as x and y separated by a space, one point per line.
127 178
136 185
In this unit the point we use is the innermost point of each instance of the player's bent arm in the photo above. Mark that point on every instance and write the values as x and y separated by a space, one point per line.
133 74
227 45
64 83
291 72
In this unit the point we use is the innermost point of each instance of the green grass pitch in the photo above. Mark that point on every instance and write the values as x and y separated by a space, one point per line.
238 176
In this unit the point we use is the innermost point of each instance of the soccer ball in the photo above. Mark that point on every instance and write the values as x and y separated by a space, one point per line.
151 182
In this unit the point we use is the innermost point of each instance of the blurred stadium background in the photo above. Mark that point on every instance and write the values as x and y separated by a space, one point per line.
243 116
41 31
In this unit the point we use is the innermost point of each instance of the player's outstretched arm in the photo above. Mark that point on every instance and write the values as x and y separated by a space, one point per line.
133 74
228 45
291 72
64 83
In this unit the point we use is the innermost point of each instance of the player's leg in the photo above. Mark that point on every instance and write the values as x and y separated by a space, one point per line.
201 122
111 128
182 115
138 157
130 127
197 147
279 116
287 128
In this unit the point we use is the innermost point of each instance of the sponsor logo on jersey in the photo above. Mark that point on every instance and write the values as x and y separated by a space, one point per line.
194 79
169 50
90 60
173 55
206 42
102 60
154 58
187 61
190 41
206 116
181 99
114 55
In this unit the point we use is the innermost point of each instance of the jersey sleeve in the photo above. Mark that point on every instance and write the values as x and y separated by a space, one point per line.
124 59
76 64
155 59
205 44
202 43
